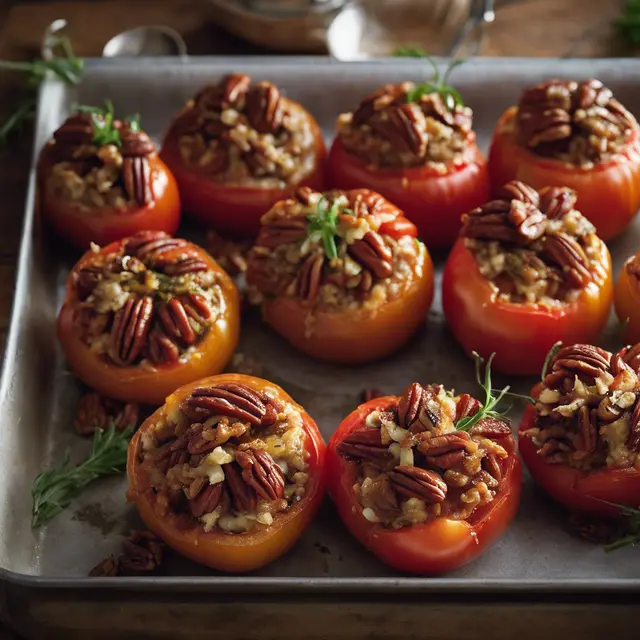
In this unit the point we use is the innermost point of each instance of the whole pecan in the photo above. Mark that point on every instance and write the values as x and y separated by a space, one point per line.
264 108
556 202
206 501
417 409
567 253
310 278
373 254
365 444
94 411
130 328
142 552
588 423
261 473
161 349
244 498
148 245
233 400
175 321
414 482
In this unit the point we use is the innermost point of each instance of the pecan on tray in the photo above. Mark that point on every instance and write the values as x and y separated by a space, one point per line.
95 411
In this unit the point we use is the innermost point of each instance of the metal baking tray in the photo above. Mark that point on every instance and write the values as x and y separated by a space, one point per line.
537 558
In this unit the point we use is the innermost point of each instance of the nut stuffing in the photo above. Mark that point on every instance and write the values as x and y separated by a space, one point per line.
580 123
398 126
229 457
414 464
588 409
148 303
246 134
97 161
331 251
535 247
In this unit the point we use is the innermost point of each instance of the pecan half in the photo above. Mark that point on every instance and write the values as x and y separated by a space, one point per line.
130 328
148 245
414 482
567 253
175 321
141 553
581 359
446 443
76 130
418 410
195 306
187 264
264 108
631 356
365 444
261 473
233 400
161 349
206 501
310 278
489 222
588 423
108 568
466 406
229 92
135 144
282 231
516 190
373 254
403 127
491 465
94 411
242 495
556 202
491 428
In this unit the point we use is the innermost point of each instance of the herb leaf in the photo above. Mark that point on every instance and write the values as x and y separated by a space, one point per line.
549 358
632 530
628 24
55 489
491 401
409 52
325 223
104 131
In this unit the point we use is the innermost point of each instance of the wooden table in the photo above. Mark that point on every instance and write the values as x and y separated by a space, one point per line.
562 28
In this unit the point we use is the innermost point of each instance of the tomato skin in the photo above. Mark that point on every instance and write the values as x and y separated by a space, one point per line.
520 335
438 546
106 224
235 210
149 386
355 336
608 193
626 299
432 200
575 489
216 549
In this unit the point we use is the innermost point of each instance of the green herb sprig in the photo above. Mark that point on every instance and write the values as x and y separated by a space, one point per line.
103 121
550 356
628 24
325 223
492 397
67 67
55 489
450 95
631 534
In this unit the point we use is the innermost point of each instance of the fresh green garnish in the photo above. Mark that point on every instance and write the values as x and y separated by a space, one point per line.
409 52
491 401
549 358
325 223
54 490
103 120
631 534
66 67
628 24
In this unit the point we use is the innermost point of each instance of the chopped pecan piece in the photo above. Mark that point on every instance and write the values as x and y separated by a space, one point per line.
244 498
264 107
414 482
206 501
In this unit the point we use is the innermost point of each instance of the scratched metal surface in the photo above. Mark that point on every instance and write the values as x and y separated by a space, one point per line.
38 394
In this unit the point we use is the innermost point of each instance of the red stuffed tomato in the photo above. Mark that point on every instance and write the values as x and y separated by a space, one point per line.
575 135
419 153
627 298
146 315
340 275
581 441
229 472
101 180
527 271
421 493
237 149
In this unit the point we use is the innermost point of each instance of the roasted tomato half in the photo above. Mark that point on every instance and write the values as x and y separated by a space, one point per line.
229 472
101 180
418 152
340 275
627 298
576 135
236 149
146 315
581 440
424 481
527 271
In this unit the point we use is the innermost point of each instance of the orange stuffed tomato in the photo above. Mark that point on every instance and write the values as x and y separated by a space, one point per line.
575 135
229 472
146 315
237 149
627 298
581 440
101 180
527 271
419 151
340 275
424 481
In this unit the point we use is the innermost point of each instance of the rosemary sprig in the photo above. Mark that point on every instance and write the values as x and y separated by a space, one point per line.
55 489
628 24
67 67
325 223
631 535
450 95
547 361
492 397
